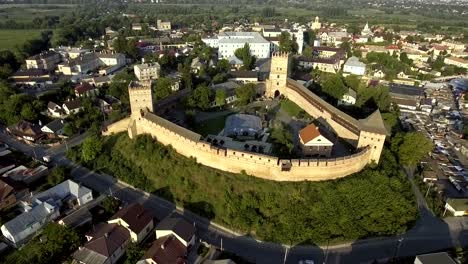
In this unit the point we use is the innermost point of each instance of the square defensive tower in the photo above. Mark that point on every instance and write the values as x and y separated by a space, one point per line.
140 97
276 83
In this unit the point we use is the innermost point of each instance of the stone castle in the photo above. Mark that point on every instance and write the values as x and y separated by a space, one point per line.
366 135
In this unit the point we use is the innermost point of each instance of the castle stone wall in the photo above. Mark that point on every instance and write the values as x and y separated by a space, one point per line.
262 166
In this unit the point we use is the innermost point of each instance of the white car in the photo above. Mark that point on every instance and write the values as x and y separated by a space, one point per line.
307 261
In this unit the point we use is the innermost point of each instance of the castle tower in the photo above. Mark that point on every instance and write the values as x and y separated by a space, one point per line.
276 83
140 97
373 133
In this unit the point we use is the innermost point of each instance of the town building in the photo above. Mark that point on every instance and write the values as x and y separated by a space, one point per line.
26 130
167 249
456 61
243 77
273 35
316 25
54 128
55 110
147 71
313 143
67 52
326 59
24 226
32 77
66 194
106 245
354 66
434 258
86 90
453 45
163 25
72 106
45 61
26 175
242 125
178 227
7 195
90 62
349 98
228 42
136 219
457 206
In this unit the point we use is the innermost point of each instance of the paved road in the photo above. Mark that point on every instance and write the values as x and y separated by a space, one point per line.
429 233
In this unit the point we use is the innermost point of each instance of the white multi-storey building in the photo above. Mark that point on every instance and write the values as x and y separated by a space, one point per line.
147 71
228 42
274 35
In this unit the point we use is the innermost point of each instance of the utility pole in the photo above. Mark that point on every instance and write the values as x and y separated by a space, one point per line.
427 192
398 247
285 254
110 192
326 252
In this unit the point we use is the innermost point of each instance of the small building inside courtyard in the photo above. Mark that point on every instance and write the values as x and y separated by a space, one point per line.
313 143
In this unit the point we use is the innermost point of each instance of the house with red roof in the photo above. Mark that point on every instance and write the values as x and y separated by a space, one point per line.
86 90
313 143
136 219
165 250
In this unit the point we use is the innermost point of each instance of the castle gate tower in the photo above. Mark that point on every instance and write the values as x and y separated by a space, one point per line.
141 98
276 83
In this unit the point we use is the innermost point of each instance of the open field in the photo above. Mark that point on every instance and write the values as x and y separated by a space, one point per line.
9 38
25 13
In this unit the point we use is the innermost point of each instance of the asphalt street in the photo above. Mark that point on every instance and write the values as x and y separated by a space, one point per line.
429 233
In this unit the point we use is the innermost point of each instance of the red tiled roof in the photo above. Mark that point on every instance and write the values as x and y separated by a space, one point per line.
167 250
308 133
83 88
135 215
107 238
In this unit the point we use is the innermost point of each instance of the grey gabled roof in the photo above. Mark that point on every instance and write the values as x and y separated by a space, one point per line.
55 125
435 258
26 219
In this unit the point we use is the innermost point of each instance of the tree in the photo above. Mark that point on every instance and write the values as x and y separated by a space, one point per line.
287 43
346 46
53 245
133 253
310 37
353 82
404 58
413 147
219 78
56 176
223 65
162 88
308 52
110 205
247 59
283 139
200 97
333 86
91 148
220 97
246 93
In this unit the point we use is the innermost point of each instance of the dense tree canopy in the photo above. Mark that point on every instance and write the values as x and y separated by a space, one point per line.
247 59
333 86
200 97
287 43
246 93
411 148
92 146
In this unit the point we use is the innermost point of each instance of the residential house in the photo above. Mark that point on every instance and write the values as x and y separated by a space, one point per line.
230 90
72 106
67 52
26 130
46 61
86 90
85 63
331 65
457 206
409 104
39 77
7 195
26 175
349 98
354 66
106 245
163 25
434 258
147 71
235 62
25 225
313 143
165 250
136 219
379 74
456 61
68 193
54 128
178 227
137 27
454 45
55 110
196 65
76 219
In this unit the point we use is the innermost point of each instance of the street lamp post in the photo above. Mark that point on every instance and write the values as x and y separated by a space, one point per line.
285 254
326 252
400 240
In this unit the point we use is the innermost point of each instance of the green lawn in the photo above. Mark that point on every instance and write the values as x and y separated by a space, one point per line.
291 108
25 13
211 126
9 38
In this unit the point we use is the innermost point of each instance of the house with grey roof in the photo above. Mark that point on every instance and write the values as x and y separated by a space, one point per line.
354 66
24 226
434 258
54 128
67 193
